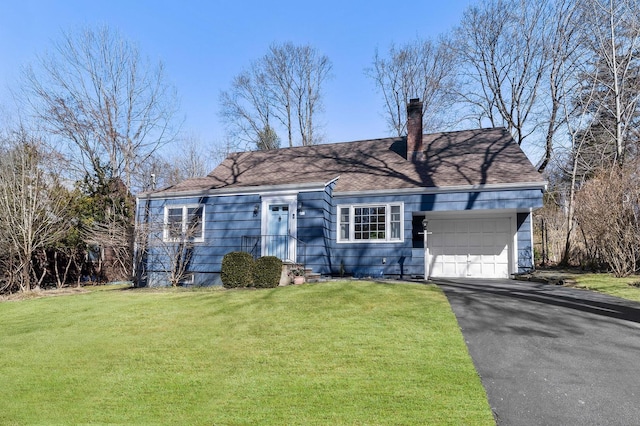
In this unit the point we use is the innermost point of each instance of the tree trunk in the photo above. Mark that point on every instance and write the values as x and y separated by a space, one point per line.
25 285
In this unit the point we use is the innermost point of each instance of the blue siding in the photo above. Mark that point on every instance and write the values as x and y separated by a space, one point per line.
314 230
229 218
400 259
525 245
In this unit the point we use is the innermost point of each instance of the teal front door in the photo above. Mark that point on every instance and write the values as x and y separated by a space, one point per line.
277 238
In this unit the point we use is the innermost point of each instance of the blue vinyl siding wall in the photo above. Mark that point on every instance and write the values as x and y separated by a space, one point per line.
314 230
525 245
373 259
378 259
229 218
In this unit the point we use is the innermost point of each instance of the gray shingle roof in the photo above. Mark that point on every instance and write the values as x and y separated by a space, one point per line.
463 158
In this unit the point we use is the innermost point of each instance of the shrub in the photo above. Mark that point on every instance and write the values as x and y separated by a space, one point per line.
607 209
266 272
237 267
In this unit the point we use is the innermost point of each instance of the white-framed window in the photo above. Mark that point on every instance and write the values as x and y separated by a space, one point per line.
371 223
188 278
184 222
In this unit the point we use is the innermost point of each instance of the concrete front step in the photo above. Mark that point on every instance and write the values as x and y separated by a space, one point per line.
312 277
309 275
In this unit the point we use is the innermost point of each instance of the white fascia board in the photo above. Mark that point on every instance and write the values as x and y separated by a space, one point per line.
469 214
292 188
446 189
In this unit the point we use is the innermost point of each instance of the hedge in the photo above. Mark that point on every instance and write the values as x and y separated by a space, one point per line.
267 271
237 269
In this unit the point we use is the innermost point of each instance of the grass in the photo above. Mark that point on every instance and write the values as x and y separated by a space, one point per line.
608 284
356 353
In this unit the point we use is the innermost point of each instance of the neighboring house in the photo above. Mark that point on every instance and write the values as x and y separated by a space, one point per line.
454 204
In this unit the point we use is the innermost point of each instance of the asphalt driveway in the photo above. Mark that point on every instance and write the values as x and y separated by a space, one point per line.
551 355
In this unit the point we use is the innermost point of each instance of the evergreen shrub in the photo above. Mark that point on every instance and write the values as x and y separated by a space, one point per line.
266 272
237 268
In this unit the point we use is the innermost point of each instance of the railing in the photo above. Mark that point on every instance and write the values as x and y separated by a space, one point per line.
251 245
284 247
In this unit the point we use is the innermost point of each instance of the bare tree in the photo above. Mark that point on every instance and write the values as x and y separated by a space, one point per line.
32 212
569 163
597 113
565 55
113 110
246 106
612 34
95 92
193 159
502 50
419 69
282 89
310 71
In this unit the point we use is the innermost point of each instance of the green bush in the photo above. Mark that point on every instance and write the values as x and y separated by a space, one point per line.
266 272
237 267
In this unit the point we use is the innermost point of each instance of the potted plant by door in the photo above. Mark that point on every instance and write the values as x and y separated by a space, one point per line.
297 274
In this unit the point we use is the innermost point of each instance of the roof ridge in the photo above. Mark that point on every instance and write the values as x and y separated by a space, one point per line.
318 145
387 138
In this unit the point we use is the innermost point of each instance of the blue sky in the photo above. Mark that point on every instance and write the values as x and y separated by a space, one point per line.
204 44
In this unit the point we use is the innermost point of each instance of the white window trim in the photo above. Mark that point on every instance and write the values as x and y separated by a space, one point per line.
185 208
352 207
188 278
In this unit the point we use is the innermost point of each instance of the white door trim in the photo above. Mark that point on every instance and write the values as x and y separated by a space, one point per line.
292 202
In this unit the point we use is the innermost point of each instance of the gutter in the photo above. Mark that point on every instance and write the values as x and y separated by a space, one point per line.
294 188
447 189
253 190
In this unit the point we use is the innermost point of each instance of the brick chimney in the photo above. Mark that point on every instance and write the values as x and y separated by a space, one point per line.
415 150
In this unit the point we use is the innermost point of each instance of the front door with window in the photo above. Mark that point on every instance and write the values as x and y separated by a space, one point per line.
279 226
277 238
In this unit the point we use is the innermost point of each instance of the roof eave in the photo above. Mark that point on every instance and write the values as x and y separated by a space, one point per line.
447 189
252 190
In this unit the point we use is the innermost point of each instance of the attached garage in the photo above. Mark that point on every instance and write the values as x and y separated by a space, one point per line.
469 247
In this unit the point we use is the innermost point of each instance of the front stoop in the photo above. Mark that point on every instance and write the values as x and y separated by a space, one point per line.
309 275
284 275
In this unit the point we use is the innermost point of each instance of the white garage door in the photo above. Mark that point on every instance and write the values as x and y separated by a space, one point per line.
469 247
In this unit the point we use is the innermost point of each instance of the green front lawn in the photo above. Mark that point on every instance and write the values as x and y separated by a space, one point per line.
608 284
334 353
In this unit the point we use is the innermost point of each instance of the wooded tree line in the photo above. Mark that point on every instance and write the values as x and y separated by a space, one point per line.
563 76
93 114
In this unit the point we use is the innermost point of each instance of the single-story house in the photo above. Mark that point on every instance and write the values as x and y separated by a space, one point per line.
452 204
